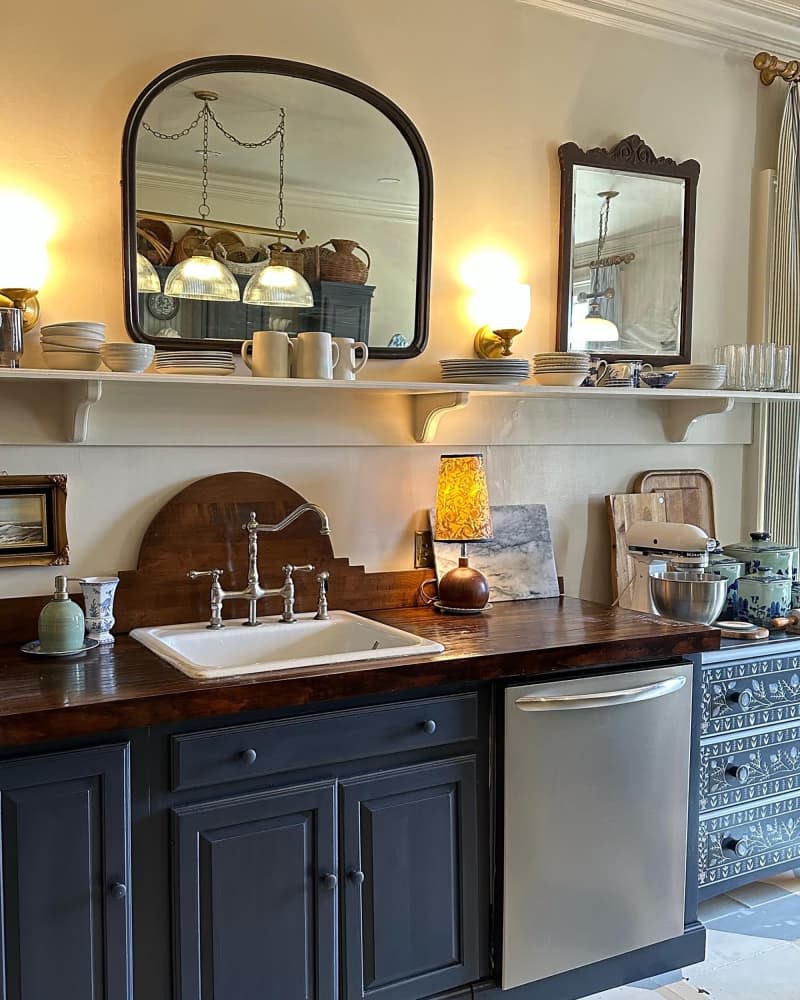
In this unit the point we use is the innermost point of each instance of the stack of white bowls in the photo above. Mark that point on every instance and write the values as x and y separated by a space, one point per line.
125 357
568 368
698 376
73 346
195 363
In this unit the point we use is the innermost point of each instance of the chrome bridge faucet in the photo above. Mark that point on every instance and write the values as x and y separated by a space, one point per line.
254 592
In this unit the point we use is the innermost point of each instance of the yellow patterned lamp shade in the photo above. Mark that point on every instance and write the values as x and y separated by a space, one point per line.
462 500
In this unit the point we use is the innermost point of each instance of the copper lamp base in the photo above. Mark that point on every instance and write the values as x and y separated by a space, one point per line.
463 588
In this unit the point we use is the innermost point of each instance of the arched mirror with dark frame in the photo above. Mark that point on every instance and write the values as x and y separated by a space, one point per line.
626 252
256 163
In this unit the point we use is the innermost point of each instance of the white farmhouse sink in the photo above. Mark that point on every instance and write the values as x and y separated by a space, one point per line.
239 649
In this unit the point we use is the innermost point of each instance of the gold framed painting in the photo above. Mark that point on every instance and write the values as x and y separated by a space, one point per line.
33 521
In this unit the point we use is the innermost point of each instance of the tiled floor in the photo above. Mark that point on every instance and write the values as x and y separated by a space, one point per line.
753 950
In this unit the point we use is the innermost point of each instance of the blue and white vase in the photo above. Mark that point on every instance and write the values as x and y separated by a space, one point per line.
730 570
98 596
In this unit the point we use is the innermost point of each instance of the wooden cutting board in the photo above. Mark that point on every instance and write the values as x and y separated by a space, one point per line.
689 495
623 510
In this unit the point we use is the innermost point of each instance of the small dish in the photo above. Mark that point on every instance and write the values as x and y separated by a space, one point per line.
32 649
658 380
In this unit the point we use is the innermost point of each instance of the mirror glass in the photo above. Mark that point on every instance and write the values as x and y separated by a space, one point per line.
626 254
305 169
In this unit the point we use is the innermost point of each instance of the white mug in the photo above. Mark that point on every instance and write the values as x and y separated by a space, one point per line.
315 354
268 354
349 361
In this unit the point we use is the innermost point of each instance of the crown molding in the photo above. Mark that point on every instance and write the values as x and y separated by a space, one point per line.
247 193
742 26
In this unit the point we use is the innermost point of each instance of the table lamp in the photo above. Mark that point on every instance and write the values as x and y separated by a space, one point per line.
462 514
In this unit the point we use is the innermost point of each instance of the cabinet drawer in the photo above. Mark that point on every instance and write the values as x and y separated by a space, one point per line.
740 841
759 692
244 752
748 766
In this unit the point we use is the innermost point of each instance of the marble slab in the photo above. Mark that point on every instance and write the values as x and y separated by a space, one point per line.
518 563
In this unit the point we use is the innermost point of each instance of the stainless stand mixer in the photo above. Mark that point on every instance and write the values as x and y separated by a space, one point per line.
670 578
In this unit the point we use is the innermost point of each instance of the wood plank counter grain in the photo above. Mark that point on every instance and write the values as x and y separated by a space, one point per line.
125 686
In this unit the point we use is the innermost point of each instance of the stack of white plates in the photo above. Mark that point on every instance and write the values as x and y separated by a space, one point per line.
699 376
504 371
194 362
561 367
73 346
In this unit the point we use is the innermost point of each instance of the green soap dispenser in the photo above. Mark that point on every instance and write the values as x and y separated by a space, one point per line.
61 622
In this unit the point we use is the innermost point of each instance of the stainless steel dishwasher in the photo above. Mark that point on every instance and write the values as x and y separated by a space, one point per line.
595 834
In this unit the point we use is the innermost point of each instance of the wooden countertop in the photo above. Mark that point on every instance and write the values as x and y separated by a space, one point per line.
126 686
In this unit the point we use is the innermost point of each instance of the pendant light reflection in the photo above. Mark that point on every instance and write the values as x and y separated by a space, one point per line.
147 279
593 328
275 285
202 276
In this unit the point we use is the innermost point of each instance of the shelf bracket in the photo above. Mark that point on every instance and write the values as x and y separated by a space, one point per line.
79 398
682 414
429 408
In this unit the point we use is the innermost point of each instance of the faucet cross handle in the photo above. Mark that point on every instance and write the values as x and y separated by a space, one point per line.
322 600
288 590
216 593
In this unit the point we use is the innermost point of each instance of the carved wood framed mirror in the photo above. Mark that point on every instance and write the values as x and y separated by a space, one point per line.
249 162
626 252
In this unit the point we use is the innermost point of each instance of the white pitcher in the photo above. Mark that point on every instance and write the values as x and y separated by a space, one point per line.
315 355
269 354
353 356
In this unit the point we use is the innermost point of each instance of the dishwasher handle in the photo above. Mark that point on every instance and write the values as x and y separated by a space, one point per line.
599 699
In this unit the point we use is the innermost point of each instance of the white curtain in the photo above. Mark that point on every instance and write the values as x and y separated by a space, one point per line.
782 497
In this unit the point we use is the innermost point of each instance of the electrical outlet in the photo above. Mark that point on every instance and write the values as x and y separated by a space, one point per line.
423 550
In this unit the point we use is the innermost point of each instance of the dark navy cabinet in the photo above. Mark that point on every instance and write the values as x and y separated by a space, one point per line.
411 888
66 876
256 896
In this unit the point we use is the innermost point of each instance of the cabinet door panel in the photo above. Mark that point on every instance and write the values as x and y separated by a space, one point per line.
65 844
411 925
254 919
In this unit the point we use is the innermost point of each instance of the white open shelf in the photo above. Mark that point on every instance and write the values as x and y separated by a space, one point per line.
680 408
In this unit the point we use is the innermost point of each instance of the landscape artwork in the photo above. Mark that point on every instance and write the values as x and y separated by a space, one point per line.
33 520
23 521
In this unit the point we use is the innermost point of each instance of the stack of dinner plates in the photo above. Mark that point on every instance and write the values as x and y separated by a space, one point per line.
503 371
561 367
699 376
194 363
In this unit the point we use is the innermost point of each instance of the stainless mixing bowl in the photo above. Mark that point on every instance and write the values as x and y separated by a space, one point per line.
689 596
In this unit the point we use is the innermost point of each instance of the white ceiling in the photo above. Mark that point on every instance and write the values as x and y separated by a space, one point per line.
334 141
644 204
743 26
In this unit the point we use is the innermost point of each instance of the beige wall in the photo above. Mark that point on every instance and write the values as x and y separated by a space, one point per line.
494 87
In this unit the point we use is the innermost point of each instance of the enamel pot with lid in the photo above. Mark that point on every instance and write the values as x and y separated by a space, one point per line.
762 553
762 596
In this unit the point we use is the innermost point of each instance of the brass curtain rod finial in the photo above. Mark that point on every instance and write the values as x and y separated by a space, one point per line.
770 67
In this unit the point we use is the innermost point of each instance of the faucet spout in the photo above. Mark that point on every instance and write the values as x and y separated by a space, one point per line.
325 528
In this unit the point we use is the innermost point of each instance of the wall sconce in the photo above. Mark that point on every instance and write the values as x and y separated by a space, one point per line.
25 227
507 308
462 514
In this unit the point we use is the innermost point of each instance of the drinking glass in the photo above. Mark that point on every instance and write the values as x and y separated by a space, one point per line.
783 367
11 343
762 367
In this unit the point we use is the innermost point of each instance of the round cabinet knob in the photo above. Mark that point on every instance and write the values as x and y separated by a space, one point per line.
118 890
741 698
737 846
330 881
429 726
356 876
248 756
738 774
